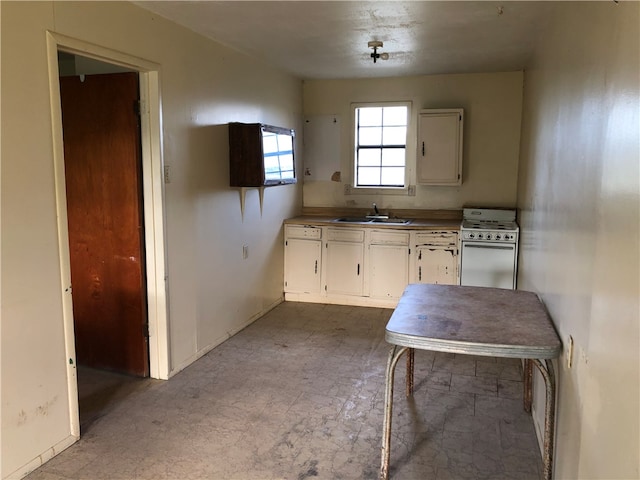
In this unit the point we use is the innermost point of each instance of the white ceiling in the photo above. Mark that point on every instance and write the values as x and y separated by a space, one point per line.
328 39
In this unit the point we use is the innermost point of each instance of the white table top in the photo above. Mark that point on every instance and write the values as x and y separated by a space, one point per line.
473 320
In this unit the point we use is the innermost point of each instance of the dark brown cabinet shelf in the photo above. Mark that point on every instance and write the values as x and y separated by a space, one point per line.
260 155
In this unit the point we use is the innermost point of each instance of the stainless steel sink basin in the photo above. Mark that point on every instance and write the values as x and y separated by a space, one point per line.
395 221
353 219
389 221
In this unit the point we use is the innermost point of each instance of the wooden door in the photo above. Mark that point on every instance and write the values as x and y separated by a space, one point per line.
104 207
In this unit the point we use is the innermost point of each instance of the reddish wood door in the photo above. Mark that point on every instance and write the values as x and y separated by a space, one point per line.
104 207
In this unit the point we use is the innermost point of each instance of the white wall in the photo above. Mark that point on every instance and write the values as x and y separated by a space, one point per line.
579 195
212 290
492 104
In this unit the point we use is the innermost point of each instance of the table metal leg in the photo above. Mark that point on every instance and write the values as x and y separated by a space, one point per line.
549 416
394 356
528 379
410 367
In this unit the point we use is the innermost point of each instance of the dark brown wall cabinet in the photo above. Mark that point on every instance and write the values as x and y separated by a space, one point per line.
260 155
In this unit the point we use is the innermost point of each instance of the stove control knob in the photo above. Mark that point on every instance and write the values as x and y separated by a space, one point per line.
498 237
471 235
479 235
488 236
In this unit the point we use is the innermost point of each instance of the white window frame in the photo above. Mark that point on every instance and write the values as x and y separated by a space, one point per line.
410 154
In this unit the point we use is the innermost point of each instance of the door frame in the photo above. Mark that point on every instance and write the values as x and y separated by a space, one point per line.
153 205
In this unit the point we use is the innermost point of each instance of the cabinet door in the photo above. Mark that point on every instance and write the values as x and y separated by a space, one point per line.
344 268
302 265
436 265
440 147
388 270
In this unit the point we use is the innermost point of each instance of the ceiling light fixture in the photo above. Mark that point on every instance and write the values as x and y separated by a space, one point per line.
375 55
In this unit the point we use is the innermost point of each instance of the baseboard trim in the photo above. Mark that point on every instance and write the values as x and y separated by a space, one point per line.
44 457
204 350
350 300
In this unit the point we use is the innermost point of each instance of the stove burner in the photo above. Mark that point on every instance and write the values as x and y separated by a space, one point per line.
482 225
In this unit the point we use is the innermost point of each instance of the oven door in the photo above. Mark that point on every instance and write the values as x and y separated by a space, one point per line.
488 265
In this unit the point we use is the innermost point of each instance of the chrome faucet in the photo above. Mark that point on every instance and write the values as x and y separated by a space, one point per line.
377 213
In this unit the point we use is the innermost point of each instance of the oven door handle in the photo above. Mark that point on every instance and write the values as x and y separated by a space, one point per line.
484 245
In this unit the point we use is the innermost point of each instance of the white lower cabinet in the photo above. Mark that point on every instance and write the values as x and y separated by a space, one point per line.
345 261
436 258
388 264
364 266
302 259
436 265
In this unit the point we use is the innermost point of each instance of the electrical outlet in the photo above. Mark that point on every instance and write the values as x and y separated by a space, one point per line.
245 251
411 191
167 177
569 352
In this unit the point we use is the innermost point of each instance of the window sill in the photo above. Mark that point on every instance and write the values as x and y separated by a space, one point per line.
408 191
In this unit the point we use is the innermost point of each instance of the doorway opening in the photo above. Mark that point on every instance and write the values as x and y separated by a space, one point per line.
103 178
117 206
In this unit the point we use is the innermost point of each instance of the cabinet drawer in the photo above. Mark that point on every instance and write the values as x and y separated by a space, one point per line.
437 238
379 237
303 231
345 235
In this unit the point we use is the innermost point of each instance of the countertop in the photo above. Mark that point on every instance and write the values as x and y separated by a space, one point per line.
416 223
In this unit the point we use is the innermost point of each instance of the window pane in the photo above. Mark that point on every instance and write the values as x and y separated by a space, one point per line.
269 142
395 116
393 176
394 135
379 127
285 142
286 163
393 157
370 136
271 165
368 176
369 157
370 116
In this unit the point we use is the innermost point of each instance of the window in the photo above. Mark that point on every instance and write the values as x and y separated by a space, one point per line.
380 145
277 147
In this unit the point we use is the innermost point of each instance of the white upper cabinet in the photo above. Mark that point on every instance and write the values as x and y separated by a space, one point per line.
439 150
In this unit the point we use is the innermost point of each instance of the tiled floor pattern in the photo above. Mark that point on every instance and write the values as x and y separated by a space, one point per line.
299 394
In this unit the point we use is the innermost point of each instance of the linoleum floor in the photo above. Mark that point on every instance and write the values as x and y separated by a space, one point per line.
299 394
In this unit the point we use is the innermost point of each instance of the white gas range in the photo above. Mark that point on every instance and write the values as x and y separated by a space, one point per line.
489 248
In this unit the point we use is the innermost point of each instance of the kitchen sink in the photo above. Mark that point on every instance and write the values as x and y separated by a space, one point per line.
394 221
353 219
381 219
